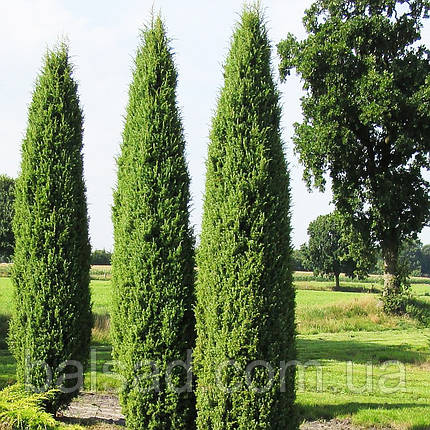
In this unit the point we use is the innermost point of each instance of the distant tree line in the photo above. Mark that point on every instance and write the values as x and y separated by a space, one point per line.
101 257
7 198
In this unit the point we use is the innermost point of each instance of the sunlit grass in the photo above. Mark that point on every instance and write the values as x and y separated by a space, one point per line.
369 391
360 313
335 327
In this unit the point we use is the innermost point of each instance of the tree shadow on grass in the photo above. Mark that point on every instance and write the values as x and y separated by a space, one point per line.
7 363
4 327
89 422
358 289
7 368
330 411
358 352
419 310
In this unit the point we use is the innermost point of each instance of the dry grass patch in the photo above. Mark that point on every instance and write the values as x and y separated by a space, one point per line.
364 313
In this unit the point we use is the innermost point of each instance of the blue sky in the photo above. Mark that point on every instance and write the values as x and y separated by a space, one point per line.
103 37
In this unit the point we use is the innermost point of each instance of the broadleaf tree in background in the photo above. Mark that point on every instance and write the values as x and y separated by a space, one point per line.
329 251
153 259
7 198
367 118
245 298
425 260
298 259
52 320
410 257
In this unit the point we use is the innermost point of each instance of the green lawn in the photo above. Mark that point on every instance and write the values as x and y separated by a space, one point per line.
421 289
100 291
5 296
101 297
371 394
335 327
306 298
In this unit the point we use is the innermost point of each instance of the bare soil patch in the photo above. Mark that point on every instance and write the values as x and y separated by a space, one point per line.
91 409
335 425
102 411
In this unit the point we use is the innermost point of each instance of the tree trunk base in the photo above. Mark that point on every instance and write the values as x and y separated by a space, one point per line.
393 295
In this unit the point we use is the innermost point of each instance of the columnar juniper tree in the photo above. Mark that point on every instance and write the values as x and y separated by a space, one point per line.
367 118
153 262
52 318
245 299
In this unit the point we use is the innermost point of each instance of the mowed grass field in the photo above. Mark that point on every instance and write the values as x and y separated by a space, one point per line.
355 362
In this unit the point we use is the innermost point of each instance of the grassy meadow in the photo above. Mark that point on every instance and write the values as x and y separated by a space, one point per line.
355 361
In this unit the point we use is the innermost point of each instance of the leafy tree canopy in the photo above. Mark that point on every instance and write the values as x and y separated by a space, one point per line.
101 257
366 115
329 251
425 260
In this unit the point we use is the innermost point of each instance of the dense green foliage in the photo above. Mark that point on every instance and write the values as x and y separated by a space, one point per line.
7 198
326 249
425 260
410 257
298 259
245 298
414 259
153 261
101 257
329 250
367 118
52 320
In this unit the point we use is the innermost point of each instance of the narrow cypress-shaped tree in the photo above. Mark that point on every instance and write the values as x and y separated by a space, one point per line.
245 299
153 261
52 319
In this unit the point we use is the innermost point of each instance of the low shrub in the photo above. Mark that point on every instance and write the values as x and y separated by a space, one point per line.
22 410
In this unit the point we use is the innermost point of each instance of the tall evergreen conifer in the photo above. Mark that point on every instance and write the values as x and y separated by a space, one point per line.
153 261
52 317
245 298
